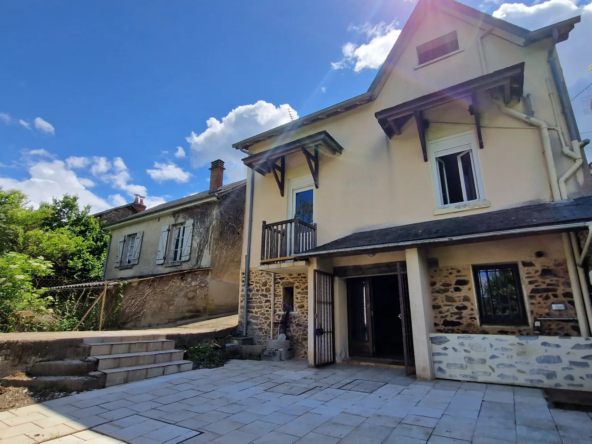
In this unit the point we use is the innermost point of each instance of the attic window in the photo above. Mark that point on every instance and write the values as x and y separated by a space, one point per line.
437 48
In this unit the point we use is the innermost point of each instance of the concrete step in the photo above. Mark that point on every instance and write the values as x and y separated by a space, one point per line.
117 348
126 338
142 358
67 367
93 380
124 375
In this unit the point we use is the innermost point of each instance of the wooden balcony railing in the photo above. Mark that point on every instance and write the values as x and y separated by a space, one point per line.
282 240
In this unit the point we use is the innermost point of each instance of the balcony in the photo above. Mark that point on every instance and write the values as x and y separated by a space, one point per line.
280 241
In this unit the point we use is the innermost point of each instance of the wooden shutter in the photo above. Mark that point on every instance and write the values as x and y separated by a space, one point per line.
162 245
119 251
187 240
137 248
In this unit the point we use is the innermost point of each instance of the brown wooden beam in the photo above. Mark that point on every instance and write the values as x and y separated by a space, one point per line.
421 130
474 110
281 170
313 163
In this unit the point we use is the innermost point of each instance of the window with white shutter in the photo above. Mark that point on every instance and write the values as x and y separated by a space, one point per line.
181 238
162 245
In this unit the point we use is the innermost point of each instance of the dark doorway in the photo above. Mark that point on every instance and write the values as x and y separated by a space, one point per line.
388 334
375 328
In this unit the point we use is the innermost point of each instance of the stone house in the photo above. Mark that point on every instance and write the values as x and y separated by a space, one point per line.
114 214
432 221
180 259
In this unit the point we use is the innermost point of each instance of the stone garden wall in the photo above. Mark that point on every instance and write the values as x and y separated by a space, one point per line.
539 361
259 308
544 282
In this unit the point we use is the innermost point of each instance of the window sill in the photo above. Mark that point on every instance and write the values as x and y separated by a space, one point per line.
172 264
125 267
439 58
462 207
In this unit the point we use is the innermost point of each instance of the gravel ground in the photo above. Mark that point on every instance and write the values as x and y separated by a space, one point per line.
15 397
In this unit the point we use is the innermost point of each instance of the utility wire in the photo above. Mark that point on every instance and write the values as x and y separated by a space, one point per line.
574 97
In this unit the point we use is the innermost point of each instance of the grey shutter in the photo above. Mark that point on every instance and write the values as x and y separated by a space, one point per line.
119 251
187 240
162 245
137 247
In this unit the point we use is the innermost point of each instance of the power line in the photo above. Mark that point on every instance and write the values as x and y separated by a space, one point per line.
573 98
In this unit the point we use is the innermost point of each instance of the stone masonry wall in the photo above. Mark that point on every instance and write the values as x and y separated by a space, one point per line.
164 299
545 282
259 308
538 361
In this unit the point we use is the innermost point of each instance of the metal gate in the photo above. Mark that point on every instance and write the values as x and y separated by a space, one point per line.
406 320
324 320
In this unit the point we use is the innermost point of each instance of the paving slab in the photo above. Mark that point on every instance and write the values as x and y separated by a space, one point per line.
287 402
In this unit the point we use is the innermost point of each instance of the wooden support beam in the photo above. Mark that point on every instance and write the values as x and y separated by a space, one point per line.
313 163
474 110
421 126
279 172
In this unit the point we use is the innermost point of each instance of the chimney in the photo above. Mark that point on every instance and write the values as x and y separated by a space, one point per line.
216 175
139 203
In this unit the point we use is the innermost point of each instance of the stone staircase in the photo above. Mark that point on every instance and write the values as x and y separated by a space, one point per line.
133 358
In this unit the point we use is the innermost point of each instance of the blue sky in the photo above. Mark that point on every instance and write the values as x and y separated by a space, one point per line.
96 97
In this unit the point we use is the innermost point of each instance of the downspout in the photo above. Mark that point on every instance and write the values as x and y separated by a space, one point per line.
582 304
482 51
570 119
107 256
248 258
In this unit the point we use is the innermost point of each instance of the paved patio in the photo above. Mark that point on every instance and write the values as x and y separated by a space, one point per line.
277 403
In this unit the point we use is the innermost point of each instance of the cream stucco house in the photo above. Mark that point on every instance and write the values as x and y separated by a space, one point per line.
438 220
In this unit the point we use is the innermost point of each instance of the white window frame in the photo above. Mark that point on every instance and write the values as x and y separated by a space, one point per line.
297 186
452 145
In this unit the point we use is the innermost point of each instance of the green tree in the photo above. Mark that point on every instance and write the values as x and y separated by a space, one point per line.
86 262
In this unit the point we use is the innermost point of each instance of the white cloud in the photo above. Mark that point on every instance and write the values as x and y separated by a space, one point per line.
25 124
118 200
5 118
371 55
575 67
323 89
41 152
86 182
77 162
180 152
163 172
100 165
242 122
50 179
44 126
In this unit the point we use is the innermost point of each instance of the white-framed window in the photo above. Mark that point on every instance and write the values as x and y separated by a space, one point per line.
128 250
301 199
178 249
455 170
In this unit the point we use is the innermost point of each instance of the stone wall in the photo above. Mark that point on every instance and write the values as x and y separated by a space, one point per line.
544 281
259 308
539 361
165 299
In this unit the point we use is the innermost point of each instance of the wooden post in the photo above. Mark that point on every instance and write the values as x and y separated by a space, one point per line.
89 310
103 307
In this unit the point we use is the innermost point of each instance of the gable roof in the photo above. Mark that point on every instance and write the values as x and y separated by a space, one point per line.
183 202
540 218
455 8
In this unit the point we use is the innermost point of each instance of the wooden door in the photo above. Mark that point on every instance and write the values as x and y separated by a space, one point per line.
359 312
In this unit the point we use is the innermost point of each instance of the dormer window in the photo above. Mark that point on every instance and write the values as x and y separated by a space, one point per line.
437 48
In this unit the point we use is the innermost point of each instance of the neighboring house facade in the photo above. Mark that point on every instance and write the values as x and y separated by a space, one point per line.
433 209
114 214
182 258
